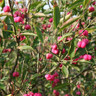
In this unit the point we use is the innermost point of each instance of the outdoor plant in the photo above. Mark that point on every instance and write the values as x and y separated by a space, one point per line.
48 51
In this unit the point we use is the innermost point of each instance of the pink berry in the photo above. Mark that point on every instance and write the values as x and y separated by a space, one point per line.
17 13
55 51
31 94
56 92
6 9
66 95
63 51
22 37
18 19
27 27
25 95
68 13
16 74
49 56
37 94
78 86
56 81
83 23
23 10
49 25
91 9
87 57
54 46
44 27
78 93
59 38
86 41
55 74
60 65
48 77
85 33
51 20
80 6
79 44
69 39
78 26
94 3
83 44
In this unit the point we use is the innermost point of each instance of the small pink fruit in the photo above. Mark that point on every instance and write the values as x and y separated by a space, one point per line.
30 94
85 33
86 41
56 81
80 6
94 3
78 93
91 9
60 65
51 20
55 51
18 19
49 25
66 95
68 13
37 94
79 44
6 9
59 38
16 74
56 92
27 27
22 37
87 57
55 74
83 44
83 23
54 46
49 56
63 51
78 86
25 95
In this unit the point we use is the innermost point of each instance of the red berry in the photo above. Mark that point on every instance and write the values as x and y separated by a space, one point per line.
27 27
18 19
79 44
55 51
49 56
83 44
16 74
87 57
6 9
51 20
54 46
91 9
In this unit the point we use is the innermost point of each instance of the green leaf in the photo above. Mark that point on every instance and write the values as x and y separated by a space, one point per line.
2 86
39 33
68 23
65 71
60 86
75 4
72 48
33 5
25 47
65 35
86 3
56 16
66 17
39 6
29 34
